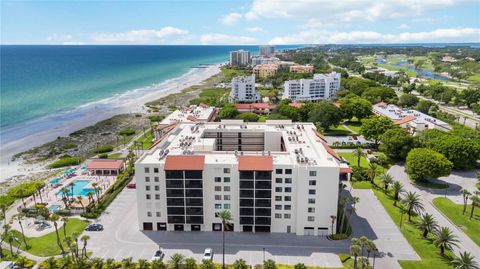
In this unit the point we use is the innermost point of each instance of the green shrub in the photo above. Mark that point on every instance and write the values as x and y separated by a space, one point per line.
67 161
338 236
103 156
127 132
69 146
103 149
63 212
90 215
6 200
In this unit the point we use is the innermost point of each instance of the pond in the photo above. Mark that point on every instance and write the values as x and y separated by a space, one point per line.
421 73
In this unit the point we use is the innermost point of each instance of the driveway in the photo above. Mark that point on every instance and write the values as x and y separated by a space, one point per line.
427 195
122 238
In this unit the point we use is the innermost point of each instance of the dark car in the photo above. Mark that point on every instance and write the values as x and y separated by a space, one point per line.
94 227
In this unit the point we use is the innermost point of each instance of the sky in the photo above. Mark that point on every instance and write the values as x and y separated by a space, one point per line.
238 22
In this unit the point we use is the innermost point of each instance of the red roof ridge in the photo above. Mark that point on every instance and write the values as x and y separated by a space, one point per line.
320 135
405 119
255 163
184 162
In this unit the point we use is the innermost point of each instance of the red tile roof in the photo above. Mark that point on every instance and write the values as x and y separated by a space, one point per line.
405 119
337 104
104 164
255 106
192 118
346 170
296 104
380 104
320 135
255 163
331 151
184 162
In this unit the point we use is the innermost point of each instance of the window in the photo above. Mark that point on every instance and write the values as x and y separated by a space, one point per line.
312 182
157 188
278 189
147 196
278 216
155 169
278 198
313 173
226 170
147 170
311 210
278 171
193 174
158 214
311 218
278 207
288 180
288 198
226 179
311 200
288 189
226 206
278 180
157 196
218 179
147 188
147 179
218 188
287 207
288 171
226 197
287 216
226 188
156 179
218 206
311 191
149 214
218 197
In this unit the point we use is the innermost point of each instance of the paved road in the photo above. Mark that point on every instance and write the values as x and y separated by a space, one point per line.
427 195
121 238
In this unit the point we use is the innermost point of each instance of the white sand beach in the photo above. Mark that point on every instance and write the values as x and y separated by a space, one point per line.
37 132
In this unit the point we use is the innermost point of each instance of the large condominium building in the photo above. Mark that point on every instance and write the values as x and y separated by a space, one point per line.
265 70
410 119
298 68
266 50
275 176
243 90
264 60
321 87
240 58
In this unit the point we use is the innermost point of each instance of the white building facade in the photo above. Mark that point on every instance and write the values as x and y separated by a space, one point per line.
276 176
240 58
264 60
321 87
243 90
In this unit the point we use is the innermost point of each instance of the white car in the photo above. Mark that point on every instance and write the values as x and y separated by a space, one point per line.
208 254
159 254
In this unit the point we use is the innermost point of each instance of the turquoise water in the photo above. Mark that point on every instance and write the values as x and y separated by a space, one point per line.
55 180
54 208
78 189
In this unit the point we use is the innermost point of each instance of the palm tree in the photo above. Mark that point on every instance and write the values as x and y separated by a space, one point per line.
90 197
21 193
465 261
465 194
412 201
190 263
127 263
110 264
397 188
65 221
355 252
240 264
71 185
80 201
97 263
207 264
354 200
343 202
475 202
333 217
10 237
358 152
370 247
176 260
363 242
94 185
19 218
372 171
6 227
445 239
84 239
386 179
143 264
363 263
39 187
269 264
226 217
157 264
427 224
54 218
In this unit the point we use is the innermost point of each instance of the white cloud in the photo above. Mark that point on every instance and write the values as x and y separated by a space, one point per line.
255 30
402 26
162 36
222 39
59 38
313 36
231 18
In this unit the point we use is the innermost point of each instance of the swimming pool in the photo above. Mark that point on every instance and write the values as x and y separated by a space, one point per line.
78 188
55 180
54 208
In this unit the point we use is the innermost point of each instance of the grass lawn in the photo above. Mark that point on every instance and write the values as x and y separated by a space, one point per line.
338 131
409 72
354 125
425 249
46 245
115 156
474 78
353 159
146 140
454 213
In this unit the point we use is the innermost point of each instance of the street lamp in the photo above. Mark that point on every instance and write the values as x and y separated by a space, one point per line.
374 254
264 255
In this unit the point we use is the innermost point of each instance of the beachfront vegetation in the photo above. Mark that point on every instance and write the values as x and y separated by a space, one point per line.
422 163
127 132
22 191
211 97
21 261
65 161
104 149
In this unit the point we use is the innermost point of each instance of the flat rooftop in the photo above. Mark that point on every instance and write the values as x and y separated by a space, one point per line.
192 113
286 142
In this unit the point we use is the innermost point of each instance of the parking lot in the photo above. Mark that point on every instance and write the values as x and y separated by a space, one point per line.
122 238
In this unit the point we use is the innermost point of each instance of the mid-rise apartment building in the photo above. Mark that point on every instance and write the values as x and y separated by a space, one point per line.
243 90
240 58
264 60
265 70
266 50
275 176
321 87
298 68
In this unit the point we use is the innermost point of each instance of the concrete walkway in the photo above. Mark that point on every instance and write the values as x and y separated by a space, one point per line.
427 195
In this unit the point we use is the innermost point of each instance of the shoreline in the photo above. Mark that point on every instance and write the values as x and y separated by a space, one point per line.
47 129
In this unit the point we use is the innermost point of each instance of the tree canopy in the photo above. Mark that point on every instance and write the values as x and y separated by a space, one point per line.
374 126
396 143
325 114
228 112
408 100
354 106
423 163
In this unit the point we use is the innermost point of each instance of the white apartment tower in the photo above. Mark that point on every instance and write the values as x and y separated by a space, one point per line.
243 90
321 87
266 50
275 176
240 58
